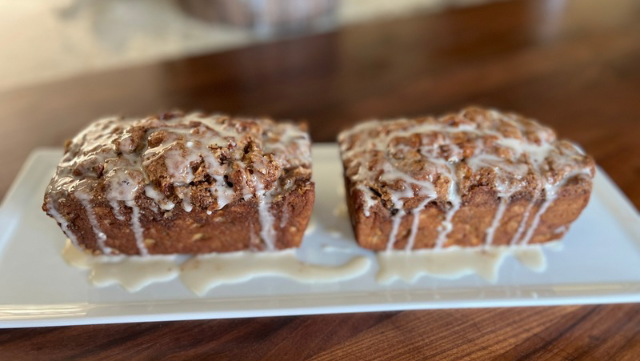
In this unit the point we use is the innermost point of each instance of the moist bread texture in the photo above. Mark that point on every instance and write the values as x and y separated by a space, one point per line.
478 177
183 183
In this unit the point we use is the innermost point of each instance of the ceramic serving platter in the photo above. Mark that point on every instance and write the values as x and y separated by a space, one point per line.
599 263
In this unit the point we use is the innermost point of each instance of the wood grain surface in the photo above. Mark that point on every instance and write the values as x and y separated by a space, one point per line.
574 65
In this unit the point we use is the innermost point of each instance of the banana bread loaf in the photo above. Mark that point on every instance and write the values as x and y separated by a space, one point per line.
183 183
479 177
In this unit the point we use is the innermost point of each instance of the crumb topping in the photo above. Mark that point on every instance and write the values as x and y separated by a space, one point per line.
407 163
187 160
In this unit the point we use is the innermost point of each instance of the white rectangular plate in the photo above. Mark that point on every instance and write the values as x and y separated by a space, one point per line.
600 263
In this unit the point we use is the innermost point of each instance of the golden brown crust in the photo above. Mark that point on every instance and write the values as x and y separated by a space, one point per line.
184 183
473 178
235 227
471 221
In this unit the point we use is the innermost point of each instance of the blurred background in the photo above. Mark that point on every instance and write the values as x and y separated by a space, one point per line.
45 40
572 64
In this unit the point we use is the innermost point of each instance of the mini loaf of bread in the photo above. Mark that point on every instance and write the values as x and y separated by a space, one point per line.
479 177
176 183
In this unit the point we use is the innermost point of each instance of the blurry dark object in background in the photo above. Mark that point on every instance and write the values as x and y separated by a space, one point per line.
267 18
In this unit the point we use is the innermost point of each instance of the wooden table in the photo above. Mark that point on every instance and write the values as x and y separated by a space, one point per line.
572 64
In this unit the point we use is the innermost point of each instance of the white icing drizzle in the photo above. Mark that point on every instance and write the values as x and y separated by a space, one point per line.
115 206
223 193
551 193
137 229
550 197
163 158
415 222
267 230
186 200
63 223
131 272
531 257
179 168
159 198
455 262
204 272
502 206
293 149
397 198
451 263
412 158
255 237
369 201
454 198
284 218
561 229
447 225
97 231
395 225
523 222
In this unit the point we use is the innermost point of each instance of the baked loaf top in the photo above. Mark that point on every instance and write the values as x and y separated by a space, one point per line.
405 164
181 160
